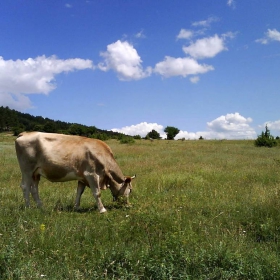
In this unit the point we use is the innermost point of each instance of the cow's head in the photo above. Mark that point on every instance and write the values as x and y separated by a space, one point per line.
125 188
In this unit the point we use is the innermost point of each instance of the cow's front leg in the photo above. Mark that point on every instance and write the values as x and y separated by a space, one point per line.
94 186
80 190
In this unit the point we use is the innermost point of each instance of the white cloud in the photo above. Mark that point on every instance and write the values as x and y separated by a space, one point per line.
180 67
15 101
123 58
230 35
185 34
230 126
188 135
205 23
141 129
231 3
194 79
272 125
67 5
33 75
140 34
270 35
206 47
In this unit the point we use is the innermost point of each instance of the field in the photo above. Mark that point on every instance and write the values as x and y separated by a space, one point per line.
200 210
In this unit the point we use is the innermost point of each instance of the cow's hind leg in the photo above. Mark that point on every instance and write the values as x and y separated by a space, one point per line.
34 190
25 186
80 190
94 186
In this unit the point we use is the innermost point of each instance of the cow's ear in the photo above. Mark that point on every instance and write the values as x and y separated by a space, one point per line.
128 179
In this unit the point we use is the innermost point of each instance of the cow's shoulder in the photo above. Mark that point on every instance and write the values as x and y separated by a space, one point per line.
100 145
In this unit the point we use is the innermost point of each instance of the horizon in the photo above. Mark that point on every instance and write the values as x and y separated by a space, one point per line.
163 135
209 69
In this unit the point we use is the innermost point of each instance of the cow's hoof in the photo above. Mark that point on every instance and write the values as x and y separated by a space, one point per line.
103 210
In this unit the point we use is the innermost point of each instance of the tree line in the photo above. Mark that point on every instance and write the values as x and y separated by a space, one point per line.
17 122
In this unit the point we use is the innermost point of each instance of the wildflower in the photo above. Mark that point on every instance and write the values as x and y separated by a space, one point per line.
42 227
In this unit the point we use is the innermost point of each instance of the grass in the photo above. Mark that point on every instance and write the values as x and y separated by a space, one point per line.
200 210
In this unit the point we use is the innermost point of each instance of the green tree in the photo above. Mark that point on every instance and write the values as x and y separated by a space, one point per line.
76 129
265 139
171 132
50 127
38 127
153 135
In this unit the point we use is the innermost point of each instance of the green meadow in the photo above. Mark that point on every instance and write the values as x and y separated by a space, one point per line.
199 210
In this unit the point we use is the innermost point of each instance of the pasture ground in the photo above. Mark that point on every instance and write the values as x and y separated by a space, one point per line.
200 210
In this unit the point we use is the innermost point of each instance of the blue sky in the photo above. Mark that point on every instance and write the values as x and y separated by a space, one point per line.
207 67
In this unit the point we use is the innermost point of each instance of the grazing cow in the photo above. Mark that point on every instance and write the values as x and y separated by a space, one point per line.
61 158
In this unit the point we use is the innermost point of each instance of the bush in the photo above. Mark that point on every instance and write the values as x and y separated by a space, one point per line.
127 140
100 136
153 135
265 139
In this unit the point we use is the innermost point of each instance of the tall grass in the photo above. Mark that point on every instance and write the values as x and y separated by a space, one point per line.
200 210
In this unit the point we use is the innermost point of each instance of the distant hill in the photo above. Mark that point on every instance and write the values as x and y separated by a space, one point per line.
16 122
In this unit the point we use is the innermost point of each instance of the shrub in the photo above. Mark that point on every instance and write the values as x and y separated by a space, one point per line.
100 136
127 140
153 135
265 139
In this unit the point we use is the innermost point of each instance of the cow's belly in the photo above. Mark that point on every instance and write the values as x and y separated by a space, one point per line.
57 174
68 177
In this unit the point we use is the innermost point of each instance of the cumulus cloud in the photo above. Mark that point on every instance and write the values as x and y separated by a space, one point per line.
206 47
123 58
15 100
141 129
185 34
230 126
180 67
33 75
202 48
270 36
274 126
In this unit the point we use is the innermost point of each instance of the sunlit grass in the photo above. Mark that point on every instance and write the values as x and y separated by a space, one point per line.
200 210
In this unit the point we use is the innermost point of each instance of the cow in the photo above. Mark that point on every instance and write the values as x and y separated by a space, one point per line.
61 158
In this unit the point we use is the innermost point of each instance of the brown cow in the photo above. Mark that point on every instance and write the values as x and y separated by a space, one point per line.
61 158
